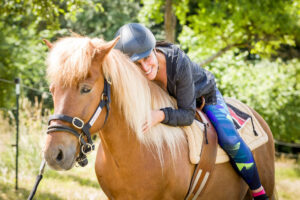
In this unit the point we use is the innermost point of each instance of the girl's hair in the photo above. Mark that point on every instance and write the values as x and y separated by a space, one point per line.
163 44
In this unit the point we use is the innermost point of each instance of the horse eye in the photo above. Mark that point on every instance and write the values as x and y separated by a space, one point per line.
84 90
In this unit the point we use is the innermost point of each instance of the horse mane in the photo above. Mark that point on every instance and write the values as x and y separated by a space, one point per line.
69 61
137 97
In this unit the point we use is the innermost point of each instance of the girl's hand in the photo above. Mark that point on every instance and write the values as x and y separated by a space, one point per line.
157 116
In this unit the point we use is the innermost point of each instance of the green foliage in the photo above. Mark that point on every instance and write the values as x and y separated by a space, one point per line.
208 26
259 26
106 21
25 23
151 10
271 88
23 56
23 26
42 11
151 14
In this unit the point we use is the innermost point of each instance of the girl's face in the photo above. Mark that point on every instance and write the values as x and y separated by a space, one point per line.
149 66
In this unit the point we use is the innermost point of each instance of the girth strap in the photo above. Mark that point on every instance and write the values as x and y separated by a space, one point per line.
207 161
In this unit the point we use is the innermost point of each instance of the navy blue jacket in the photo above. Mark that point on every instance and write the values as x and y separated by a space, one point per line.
186 82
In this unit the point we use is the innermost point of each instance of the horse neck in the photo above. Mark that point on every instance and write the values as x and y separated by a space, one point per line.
132 165
118 139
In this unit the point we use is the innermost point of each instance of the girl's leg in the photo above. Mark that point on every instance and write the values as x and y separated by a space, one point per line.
240 155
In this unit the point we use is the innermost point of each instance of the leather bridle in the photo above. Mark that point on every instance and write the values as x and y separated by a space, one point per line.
84 136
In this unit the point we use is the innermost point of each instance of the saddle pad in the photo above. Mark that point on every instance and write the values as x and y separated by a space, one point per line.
245 129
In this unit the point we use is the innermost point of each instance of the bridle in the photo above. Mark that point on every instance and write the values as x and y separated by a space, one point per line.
84 136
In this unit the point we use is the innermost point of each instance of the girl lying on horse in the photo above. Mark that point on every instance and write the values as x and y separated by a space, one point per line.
187 82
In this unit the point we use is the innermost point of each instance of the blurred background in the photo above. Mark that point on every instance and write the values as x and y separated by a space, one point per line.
252 47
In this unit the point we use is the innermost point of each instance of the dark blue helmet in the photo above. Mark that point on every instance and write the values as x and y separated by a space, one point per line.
136 41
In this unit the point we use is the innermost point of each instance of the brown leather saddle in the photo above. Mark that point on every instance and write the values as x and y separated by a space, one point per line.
206 164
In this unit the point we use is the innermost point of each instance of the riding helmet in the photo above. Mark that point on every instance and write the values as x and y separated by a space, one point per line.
136 41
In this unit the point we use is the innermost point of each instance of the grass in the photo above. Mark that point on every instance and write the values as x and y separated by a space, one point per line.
77 183
287 179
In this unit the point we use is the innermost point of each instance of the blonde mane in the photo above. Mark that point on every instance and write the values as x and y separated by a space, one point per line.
69 62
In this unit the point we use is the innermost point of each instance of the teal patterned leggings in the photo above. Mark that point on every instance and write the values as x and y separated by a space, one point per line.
229 139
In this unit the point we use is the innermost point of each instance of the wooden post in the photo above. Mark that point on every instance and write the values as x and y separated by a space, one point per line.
17 82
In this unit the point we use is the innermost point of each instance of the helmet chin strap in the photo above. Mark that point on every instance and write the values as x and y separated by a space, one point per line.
161 77
155 53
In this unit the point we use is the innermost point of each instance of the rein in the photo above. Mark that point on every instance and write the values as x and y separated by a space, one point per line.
84 136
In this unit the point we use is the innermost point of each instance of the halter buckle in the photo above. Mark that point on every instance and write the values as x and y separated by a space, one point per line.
104 97
108 79
78 123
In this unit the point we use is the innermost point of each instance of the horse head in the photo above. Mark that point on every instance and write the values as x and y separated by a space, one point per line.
77 86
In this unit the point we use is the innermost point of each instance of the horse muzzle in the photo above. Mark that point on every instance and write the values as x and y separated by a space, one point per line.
60 155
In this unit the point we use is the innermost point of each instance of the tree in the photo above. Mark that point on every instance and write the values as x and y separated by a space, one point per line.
25 23
170 22
270 87
23 26
210 28
159 16
106 21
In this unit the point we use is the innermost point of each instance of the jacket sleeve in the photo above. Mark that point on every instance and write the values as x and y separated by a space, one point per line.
185 96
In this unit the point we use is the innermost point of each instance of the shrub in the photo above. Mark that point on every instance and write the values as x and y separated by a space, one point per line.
272 88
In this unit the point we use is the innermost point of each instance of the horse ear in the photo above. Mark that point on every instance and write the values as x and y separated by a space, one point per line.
48 43
73 34
103 50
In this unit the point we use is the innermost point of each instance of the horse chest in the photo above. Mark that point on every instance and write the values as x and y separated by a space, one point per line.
131 180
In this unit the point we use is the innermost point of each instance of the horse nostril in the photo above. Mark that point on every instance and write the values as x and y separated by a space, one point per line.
59 156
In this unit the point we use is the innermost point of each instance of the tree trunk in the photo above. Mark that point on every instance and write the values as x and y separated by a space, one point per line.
170 22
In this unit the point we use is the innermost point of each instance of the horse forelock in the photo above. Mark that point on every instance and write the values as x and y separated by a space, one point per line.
70 59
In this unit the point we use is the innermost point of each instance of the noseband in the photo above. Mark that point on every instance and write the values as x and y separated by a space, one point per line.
84 136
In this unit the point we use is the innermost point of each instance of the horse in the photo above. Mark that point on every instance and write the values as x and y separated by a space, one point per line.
129 164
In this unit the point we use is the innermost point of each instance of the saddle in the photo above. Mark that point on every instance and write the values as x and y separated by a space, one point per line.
211 154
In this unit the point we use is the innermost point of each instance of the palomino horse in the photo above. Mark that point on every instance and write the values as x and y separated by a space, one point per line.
129 164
